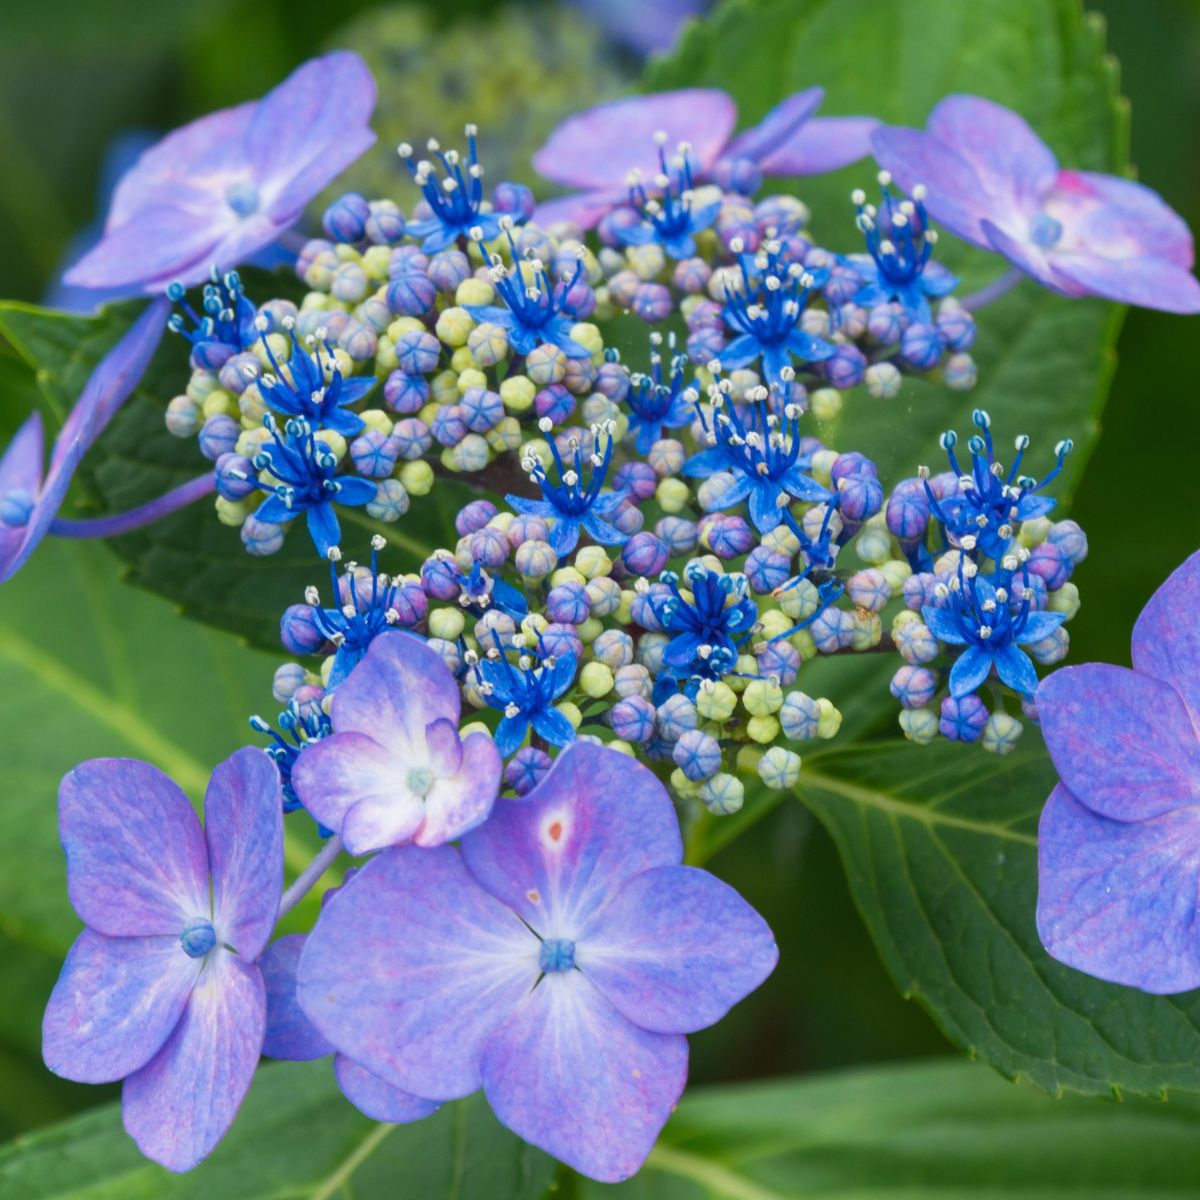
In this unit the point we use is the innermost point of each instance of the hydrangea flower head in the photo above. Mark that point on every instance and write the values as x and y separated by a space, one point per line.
1119 840
657 401
455 201
761 450
987 503
594 151
228 325
670 216
225 186
899 266
304 471
993 617
162 988
708 624
992 181
535 311
395 769
525 692
765 312
573 504
556 962
310 386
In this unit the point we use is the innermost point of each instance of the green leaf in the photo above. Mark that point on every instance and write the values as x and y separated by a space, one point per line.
950 1130
1044 360
190 557
939 847
295 1138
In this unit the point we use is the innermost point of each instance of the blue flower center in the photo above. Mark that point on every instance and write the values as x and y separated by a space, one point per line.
198 937
1045 231
557 954
16 506
419 780
242 197
897 237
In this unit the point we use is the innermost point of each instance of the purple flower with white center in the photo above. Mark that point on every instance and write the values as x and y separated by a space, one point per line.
225 186
307 482
993 618
594 151
395 770
996 184
900 267
310 387
162 988
455 202
655 403
986 504
761 452
524 691
556 962
292 1036
669 217
1118 842
766 311
29 498
535 312
571 504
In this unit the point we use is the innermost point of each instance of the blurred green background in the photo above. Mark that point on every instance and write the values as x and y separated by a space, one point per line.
76 75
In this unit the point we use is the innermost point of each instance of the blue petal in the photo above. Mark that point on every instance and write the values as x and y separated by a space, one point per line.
275 510
1041 625
353 490
802 487
706 463
972 668
564 535
775 358
943 625
531 508
510 733
554 727
602 532
741 352
764 511
354 388
809 348
323 527
1014 667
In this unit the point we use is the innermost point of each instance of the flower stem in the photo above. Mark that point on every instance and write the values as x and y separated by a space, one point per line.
994 290
309 876
135 518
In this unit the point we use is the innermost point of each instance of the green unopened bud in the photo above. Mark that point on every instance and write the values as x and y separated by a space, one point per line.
1000 733
590 338
825 404
920 725
716 703
1034 531
779 768
517 392
471 377
762 697
417 477
673 495
896 571
443 387
234 512
446 623
488 344
801 601
454 326
763 730
874 546
475 292
571 712
596 680
830 720
722 794
1065 600
592 561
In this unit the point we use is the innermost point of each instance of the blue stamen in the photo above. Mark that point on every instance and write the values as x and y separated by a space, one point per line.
198 937
556 954
228 320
